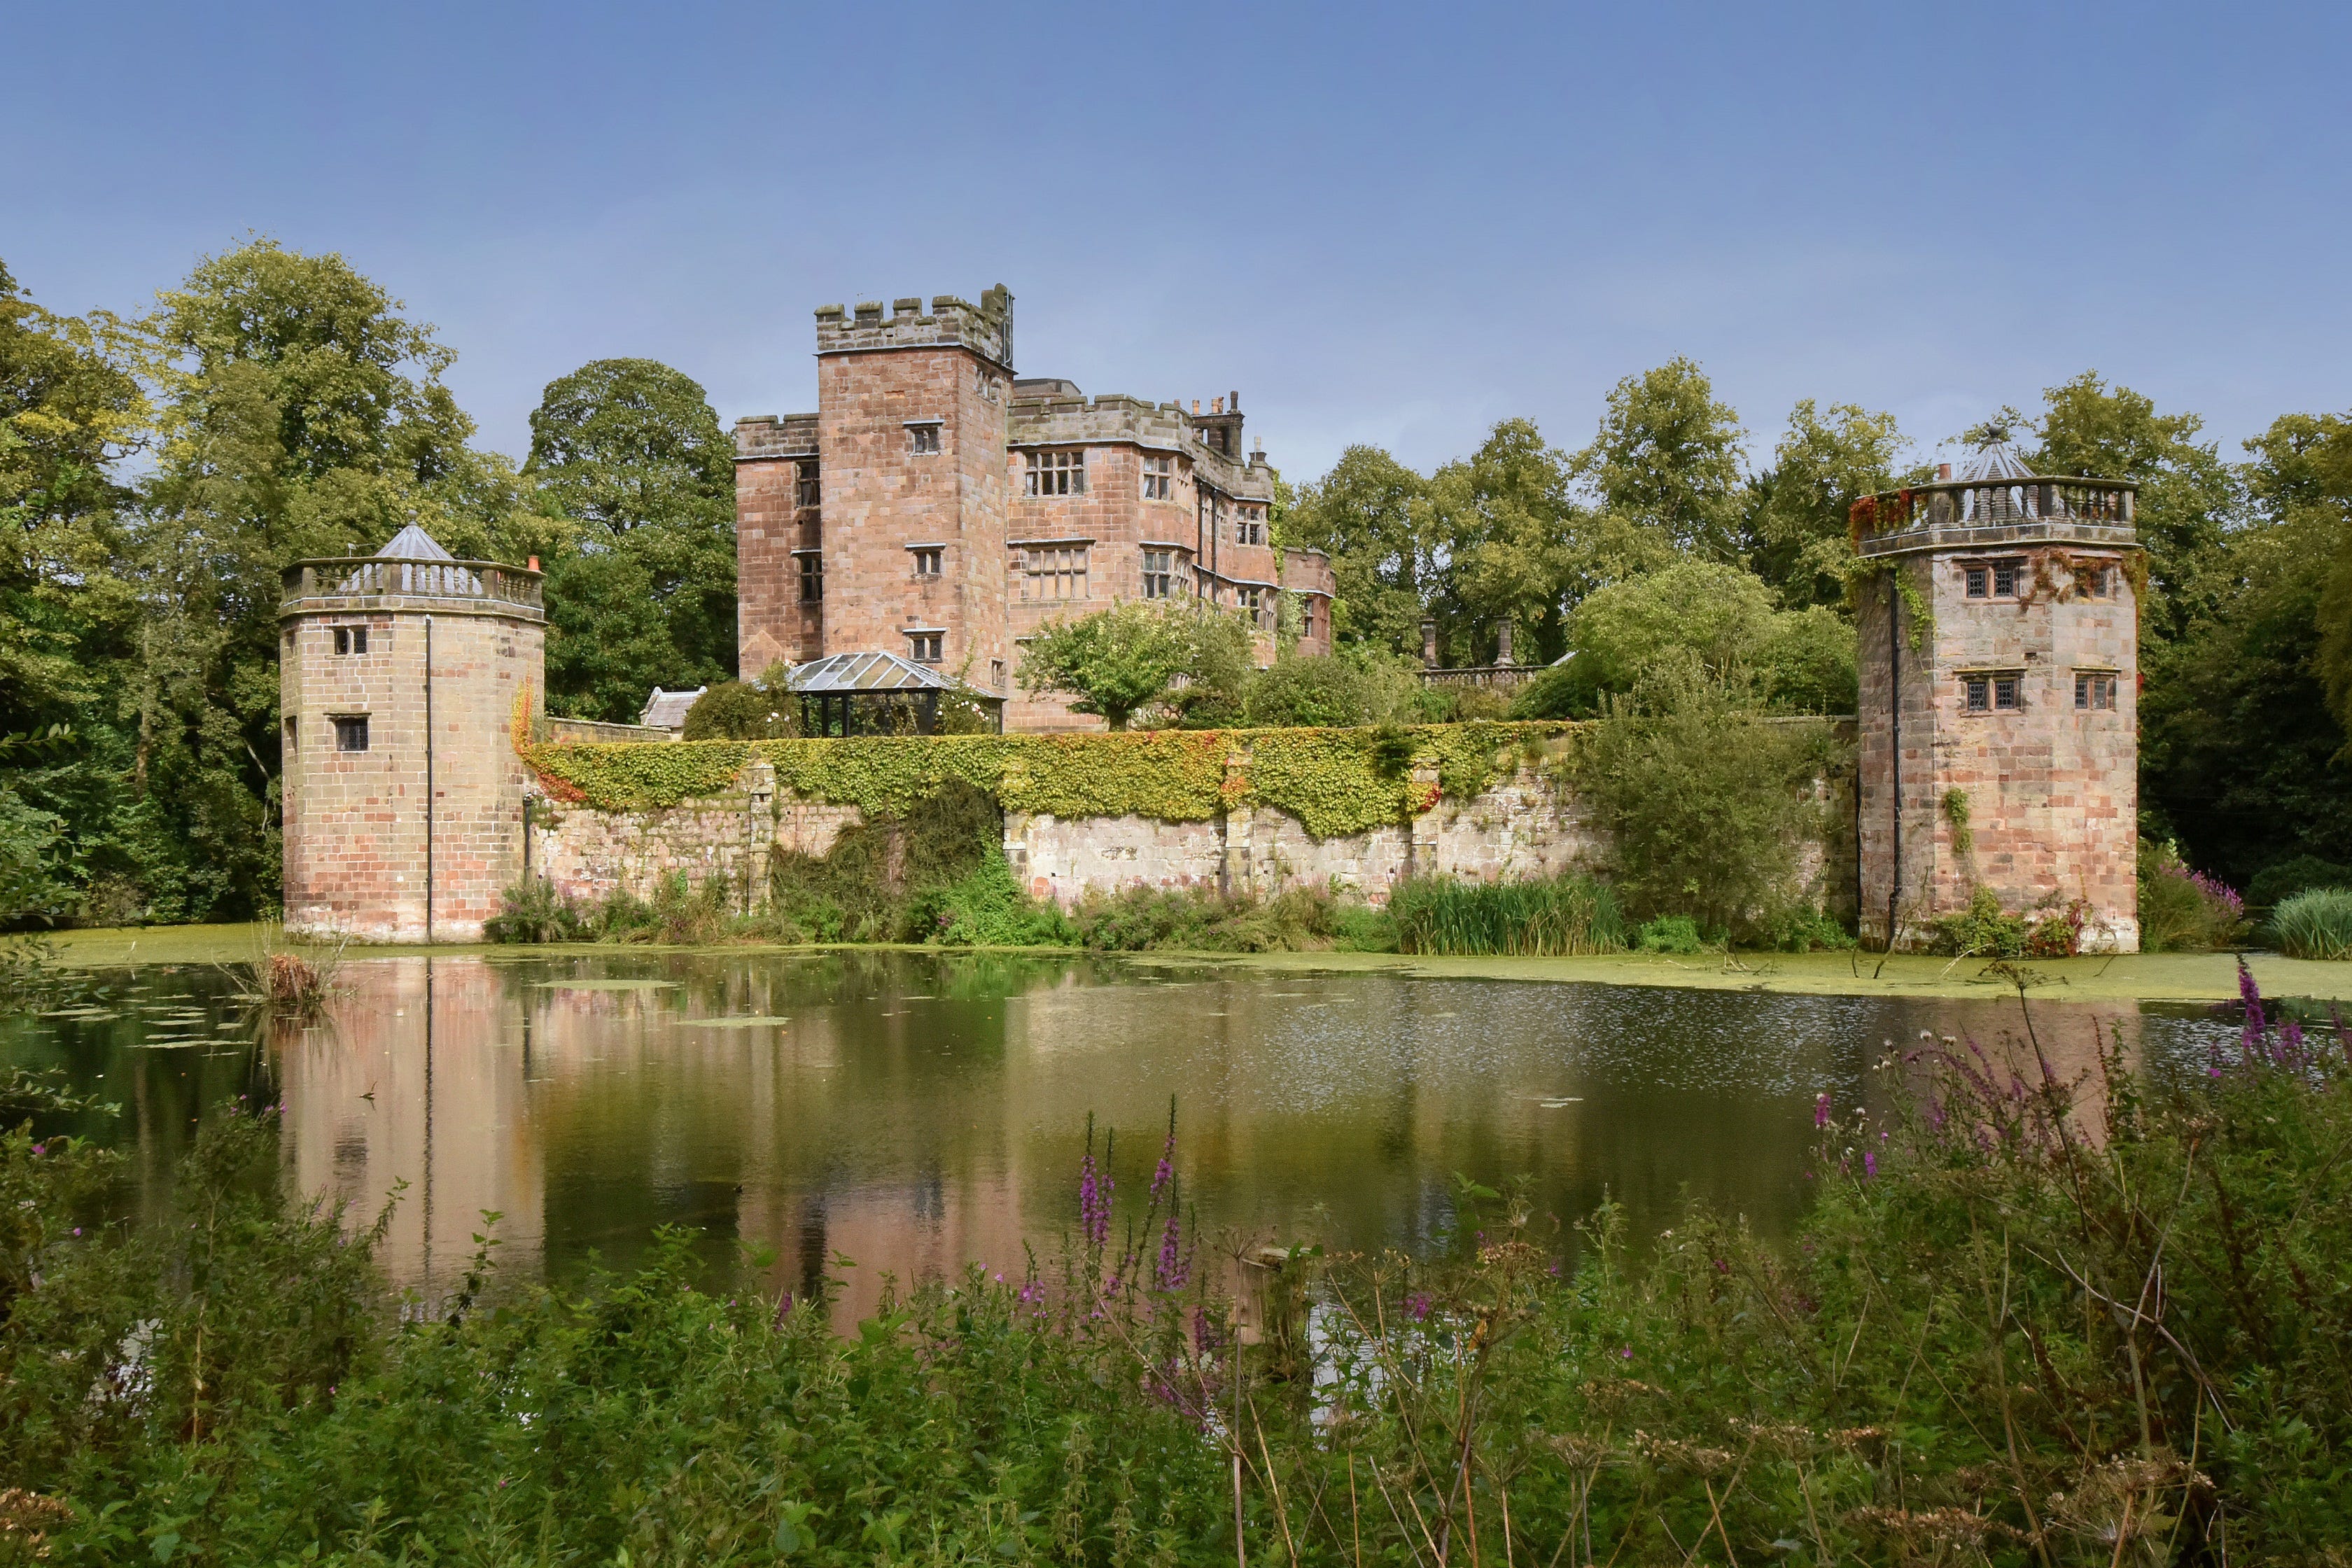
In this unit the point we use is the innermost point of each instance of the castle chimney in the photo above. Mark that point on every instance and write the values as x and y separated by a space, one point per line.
1943 470
534 562
1216 405
1196 406
1429 644
1233 401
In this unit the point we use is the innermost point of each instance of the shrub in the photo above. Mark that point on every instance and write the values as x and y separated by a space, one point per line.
2314 923
1983 930
2181 910
1551 916
1804 928
1704 801
742 710
1203 919
533 911
2283 879
988 909
1670 934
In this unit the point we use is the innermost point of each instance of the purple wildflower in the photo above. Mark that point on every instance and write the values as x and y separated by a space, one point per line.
2250 995
2290 1046
1821 1111
1033 1291
1089 1197
1416 1306
1869 1162
1625 1352
1172 1271
1205 1334
36 1148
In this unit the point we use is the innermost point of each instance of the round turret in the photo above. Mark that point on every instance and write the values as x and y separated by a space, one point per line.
399 677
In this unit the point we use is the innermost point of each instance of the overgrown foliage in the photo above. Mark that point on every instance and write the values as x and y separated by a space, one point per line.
2181 910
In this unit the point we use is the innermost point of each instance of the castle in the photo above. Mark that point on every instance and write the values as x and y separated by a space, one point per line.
937 507
935 511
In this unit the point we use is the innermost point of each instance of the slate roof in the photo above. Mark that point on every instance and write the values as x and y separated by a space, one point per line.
666 709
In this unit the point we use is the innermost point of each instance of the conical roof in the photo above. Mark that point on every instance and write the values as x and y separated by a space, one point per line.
1994 463
413 543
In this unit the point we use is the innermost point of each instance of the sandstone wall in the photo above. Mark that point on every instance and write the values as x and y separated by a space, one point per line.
1523 825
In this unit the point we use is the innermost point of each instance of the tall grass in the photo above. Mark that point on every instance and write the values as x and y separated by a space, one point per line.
2314 924
1550 916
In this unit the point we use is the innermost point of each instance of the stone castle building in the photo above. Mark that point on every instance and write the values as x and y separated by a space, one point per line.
2000 692
398 676
939 508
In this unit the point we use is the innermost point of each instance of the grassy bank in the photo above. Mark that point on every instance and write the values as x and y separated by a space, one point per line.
2151 976
2024 1322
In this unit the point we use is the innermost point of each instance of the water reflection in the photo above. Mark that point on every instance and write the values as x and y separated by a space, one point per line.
913 1112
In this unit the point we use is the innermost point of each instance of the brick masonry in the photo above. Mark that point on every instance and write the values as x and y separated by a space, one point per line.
355 828
880 494
2052 790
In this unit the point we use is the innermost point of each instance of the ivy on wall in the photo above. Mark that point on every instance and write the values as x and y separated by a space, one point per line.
1333 781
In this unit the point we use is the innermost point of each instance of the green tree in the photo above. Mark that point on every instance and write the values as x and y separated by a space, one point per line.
1516 547
643 594
1372 516
2240 752
2189 498
1113 662
1718 617
1664 469
1798 533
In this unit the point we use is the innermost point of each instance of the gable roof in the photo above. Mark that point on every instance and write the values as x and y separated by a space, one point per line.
666 709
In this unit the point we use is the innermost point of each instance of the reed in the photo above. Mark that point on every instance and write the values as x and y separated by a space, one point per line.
1547 917
2316 924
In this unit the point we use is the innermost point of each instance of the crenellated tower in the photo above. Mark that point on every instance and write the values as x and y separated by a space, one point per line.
2000 676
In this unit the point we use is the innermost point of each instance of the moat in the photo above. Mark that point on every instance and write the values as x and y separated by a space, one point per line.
912 1112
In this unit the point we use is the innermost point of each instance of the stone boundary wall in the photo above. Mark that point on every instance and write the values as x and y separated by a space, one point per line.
1522 825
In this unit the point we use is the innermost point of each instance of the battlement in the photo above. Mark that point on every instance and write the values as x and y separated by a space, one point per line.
985 328
1056 414
775 435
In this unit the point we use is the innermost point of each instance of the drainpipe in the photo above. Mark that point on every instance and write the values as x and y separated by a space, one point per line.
1895 742
428 781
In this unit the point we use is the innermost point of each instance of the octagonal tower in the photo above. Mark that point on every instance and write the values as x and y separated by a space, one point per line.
2000 651
398 675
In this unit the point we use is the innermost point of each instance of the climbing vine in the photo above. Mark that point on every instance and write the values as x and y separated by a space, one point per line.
1333 781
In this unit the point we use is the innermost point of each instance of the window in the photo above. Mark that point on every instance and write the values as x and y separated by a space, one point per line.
1980 692
806 492
2100 583
350 640
1979 580
812 575
1159 475
1158 573
1248 599
996 674
2004 578
927 559
2004 694
2093 688
926 646
1306 617
1993 693
1057 474
924 437
1250 528
291 735
1053 572
350 731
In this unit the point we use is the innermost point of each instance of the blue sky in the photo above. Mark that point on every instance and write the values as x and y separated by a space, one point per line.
1384 225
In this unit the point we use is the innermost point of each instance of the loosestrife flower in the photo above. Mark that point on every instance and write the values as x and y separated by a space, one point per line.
1821 1111
1869 1162
1416 1306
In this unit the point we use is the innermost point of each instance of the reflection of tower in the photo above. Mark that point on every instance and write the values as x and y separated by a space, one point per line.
399 674
1999 703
